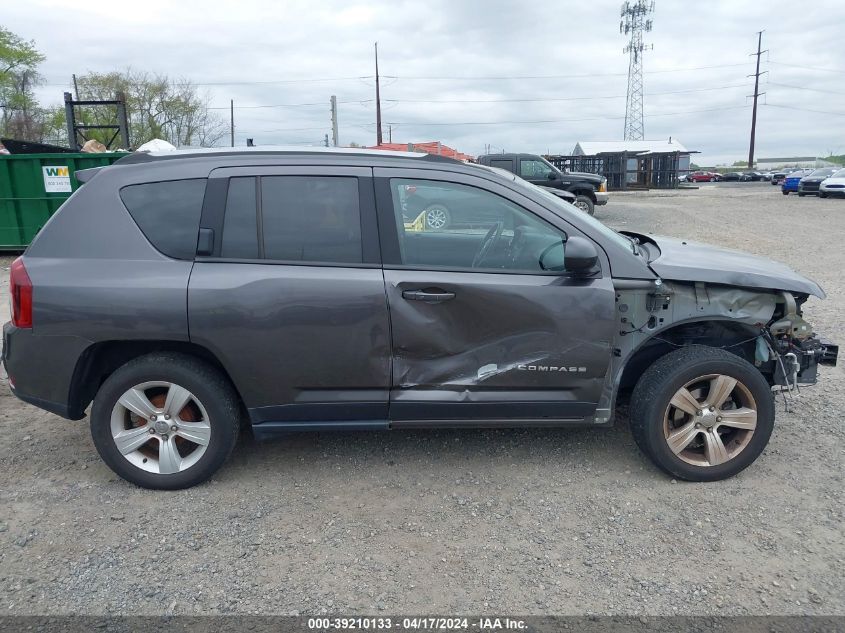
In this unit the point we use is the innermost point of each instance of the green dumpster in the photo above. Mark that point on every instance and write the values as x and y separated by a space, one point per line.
33 187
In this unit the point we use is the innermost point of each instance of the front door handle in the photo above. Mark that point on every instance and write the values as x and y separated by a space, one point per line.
428 296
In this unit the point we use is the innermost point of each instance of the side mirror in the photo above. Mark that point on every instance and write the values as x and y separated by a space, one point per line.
576 255
552 175
580 254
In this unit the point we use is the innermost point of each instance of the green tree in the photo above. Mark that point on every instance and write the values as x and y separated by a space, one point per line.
156 107
22 117
740 163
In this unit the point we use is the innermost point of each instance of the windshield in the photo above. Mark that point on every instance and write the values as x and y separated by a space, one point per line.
820 173
563 208
839 174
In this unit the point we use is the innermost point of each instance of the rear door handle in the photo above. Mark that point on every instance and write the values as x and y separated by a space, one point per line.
428 296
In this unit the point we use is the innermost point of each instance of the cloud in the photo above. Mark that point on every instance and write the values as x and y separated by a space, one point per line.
459 71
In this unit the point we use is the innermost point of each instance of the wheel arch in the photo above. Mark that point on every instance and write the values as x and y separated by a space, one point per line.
101 359
737 338
584 191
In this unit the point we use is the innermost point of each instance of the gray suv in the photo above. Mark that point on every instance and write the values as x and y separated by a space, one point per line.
180 293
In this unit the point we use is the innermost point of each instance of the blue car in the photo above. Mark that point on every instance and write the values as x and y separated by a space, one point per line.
790 183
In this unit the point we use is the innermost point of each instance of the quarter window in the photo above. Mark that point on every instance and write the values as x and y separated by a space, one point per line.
455 226
168 213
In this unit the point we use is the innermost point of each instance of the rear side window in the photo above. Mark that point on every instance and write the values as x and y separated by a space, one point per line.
168 213
311 219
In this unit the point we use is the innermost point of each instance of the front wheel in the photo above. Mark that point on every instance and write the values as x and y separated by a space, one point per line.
784 192
822 194
702 414
165 421
585 203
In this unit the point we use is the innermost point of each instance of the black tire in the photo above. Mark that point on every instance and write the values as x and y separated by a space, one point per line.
214 391
822 194
660 382
786 193
585 204
801 194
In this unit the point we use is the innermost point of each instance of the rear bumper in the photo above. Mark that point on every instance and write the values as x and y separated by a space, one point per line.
40 368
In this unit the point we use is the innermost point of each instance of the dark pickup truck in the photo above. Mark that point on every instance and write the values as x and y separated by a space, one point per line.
589 189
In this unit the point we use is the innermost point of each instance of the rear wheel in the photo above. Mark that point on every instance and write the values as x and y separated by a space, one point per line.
702 414
801 194
437 217
785 192
585 203
165 421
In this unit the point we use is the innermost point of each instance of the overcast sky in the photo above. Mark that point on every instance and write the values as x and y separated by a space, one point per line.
534 77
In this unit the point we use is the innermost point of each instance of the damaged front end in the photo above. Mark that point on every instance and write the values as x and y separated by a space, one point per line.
789 350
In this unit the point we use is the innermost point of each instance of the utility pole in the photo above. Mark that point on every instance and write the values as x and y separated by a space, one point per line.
635 22
756 94
326 141
334 120
389 133
378 103
232 121
75 87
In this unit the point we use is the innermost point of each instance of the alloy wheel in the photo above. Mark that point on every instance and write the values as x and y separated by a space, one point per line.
710 420
160 427
436 217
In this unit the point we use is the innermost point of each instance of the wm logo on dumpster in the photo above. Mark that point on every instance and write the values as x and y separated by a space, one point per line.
57 171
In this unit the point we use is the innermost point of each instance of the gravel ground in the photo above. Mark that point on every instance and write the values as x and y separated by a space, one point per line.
524 521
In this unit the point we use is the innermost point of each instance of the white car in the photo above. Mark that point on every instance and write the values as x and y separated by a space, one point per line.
834 185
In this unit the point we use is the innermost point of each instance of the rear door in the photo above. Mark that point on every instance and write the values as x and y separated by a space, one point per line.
482 334
289 293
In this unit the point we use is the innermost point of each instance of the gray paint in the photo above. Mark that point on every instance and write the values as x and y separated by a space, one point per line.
690 261
313 343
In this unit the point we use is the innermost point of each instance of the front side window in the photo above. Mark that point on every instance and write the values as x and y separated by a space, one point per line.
534 169
168 213
455 226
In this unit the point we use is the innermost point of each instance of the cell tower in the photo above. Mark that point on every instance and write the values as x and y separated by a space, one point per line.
635 20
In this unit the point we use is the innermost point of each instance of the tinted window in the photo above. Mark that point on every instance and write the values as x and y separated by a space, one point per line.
168 213
311 219
240 224
443 224
506 164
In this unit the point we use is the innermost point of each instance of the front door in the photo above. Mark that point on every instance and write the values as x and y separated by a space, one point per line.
486 329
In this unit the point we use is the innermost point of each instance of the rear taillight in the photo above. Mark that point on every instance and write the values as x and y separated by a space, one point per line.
20 288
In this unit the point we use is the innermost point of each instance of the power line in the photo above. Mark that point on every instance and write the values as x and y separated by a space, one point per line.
786 107
543 121
288 105
826 70
832 92
544 99
585 75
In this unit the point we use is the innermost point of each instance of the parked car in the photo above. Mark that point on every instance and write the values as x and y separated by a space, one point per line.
790 183
834 185
176 291
767 175
750 176
590 189
779 176
734 176
809 184
702 176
